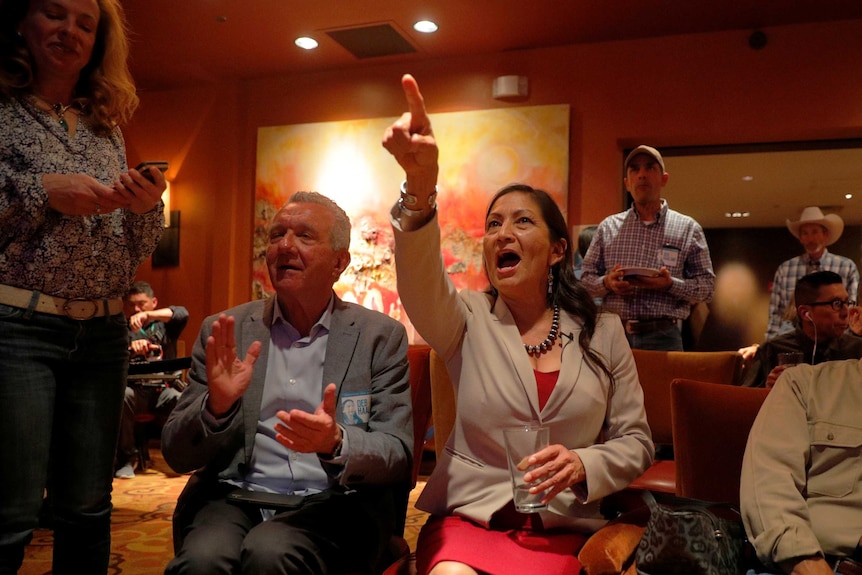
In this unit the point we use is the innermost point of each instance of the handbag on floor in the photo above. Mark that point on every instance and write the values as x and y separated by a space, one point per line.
688 538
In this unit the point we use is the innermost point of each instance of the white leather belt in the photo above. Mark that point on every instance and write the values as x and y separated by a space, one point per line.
75 308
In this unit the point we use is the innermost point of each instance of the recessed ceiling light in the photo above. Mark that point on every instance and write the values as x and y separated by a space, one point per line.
848 196
306 43
425 26
747 178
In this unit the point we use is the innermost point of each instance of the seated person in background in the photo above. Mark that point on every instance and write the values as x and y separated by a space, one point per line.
531 348
823 316
653 236
154 333
585 238
153 328
800 496
273 425
814 231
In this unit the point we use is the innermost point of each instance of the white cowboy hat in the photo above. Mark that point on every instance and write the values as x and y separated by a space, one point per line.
812 215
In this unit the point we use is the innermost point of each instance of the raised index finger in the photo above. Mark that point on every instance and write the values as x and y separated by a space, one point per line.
419 123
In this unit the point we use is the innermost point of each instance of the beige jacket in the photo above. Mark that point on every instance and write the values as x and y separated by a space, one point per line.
495 388
801 489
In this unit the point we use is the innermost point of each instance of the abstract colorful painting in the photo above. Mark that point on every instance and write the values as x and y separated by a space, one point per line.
480 152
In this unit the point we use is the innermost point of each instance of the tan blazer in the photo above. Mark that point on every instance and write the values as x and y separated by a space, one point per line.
495 388
800 491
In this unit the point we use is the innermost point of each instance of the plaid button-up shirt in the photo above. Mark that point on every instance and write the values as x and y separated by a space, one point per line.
626 240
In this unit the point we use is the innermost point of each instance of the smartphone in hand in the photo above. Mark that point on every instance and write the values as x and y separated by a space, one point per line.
142 167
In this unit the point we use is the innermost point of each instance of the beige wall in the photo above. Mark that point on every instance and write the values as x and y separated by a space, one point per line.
674 91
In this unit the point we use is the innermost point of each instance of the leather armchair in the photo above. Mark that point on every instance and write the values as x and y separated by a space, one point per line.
711 424
656 370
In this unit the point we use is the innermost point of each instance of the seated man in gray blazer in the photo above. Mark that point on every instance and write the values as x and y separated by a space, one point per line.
283 484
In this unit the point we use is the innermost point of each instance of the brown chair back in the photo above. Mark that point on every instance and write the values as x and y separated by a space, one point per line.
710 430
442 402
656 370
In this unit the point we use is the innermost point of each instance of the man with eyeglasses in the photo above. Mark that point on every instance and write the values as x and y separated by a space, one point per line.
827 328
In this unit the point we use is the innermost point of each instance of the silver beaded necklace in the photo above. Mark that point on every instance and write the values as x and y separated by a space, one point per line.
549 341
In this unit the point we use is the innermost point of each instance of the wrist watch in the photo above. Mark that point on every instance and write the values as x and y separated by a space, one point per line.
336 451
409 204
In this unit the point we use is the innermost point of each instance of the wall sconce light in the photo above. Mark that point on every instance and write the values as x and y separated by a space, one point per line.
167 253
166 198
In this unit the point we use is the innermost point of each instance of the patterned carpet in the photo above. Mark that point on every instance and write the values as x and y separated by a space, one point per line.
141 542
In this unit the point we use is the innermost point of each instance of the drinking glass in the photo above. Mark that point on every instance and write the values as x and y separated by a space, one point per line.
522 442
790 358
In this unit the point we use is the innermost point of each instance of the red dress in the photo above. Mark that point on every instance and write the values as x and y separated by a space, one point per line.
513 544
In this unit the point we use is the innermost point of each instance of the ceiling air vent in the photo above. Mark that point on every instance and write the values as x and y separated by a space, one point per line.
372 41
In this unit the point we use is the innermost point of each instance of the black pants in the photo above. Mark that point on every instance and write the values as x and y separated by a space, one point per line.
140 399
331 533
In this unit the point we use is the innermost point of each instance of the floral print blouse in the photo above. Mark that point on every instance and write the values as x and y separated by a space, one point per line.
41 249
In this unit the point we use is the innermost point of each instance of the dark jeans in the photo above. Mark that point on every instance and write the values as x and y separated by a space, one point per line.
61 390
668 339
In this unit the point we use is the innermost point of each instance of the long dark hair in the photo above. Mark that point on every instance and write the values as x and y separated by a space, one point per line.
105 86
567 292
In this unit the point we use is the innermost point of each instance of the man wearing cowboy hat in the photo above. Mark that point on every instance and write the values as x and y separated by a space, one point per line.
815 231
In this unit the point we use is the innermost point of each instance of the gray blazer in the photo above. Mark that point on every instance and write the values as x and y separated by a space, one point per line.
366 352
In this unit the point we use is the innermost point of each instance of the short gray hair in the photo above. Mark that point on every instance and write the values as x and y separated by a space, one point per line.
339 236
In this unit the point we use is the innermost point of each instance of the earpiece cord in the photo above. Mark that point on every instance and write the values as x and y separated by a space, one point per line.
813 351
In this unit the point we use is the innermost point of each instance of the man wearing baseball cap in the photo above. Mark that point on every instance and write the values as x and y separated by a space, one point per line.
650 264
814 231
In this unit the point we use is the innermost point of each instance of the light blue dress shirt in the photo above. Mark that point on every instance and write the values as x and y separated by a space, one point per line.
294 380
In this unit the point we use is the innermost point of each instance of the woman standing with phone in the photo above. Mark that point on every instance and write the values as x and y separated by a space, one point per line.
75 224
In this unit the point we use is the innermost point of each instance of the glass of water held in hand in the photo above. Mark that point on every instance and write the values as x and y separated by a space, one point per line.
790 358
522 442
